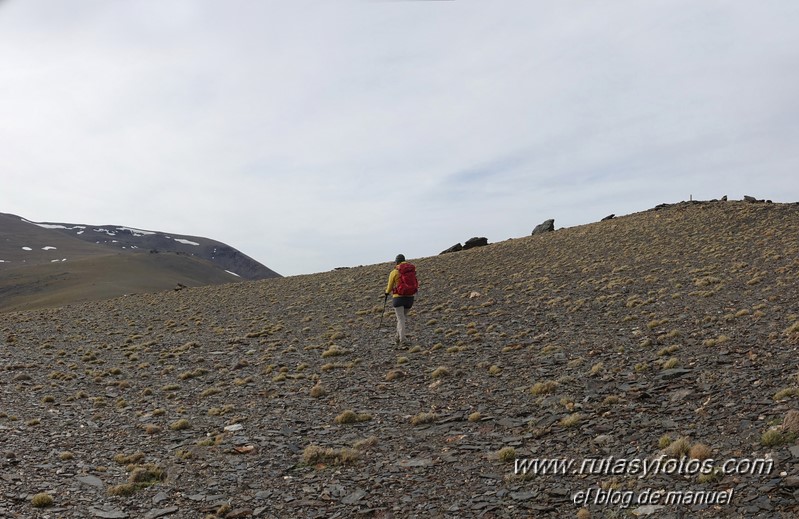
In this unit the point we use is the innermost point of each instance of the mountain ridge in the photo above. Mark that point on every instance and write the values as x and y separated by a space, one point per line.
107 261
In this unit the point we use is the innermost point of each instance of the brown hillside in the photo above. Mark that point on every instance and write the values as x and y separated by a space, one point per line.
653 336
103 277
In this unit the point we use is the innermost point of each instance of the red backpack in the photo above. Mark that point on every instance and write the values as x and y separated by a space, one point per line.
407 284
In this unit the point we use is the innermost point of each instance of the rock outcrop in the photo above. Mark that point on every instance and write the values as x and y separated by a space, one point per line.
475 242
455 248
546 226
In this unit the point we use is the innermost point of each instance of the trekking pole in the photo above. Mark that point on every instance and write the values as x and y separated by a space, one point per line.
385 299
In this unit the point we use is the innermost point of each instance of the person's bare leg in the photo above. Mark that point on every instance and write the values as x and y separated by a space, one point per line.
400 311
405 323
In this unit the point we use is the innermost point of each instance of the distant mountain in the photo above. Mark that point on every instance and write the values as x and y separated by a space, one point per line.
48 263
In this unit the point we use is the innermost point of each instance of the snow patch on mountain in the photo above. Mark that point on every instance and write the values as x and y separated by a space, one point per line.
136 232
53 225
186 242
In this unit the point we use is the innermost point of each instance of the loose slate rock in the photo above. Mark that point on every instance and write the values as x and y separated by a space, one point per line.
160 512
92 481
669 374
108 514
416 462
354 497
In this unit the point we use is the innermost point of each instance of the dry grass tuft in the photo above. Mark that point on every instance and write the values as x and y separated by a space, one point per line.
506 454
700 451
180 425
441 371
423 418
350 416
42 500
315 455
679 447
572 420
544 388
318 391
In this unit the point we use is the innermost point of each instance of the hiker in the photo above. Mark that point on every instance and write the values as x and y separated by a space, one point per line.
402 285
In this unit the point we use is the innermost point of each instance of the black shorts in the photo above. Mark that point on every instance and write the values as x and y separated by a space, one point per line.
406 301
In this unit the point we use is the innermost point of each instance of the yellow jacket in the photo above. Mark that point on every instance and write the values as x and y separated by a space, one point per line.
392 280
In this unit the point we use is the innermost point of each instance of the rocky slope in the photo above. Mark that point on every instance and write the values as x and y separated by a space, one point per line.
657 335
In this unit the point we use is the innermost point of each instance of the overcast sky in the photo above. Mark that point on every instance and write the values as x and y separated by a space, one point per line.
318 134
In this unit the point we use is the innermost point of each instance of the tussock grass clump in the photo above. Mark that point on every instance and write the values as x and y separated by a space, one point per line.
365 443
706 281
787 392
210 392
668 350
192 374
350 416
141 476
441 371
423 418
664 441
475 416
773 438
180 425
572 420
129 459
711 477
673 362
315 455
700 451
721 339
221 411
793 332
506 454
125 489
42 500
66 456
334 351
679 447
394 374
544 388
318 391
147 475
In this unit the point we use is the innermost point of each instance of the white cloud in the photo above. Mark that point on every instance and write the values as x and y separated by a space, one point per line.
317 134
